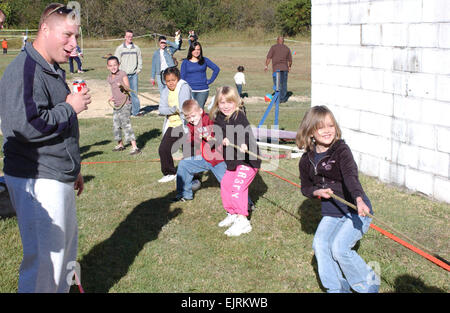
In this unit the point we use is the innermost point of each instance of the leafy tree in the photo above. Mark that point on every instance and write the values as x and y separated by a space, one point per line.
294 16
111 17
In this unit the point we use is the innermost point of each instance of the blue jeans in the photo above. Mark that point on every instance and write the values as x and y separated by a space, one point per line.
193 165
201 97
77 59
160 82
135 103
333 242
190 166
239 89
283 85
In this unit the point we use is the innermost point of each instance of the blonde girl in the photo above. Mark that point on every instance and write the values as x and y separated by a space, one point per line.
234 131
327 166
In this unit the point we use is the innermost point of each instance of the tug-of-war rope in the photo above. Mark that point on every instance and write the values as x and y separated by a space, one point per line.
422 251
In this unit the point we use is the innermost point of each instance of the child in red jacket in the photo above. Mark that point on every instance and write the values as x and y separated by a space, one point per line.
202 157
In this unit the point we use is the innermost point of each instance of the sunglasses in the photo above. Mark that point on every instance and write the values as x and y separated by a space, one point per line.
60 9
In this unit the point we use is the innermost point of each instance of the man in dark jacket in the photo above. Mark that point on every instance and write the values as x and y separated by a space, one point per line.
42 155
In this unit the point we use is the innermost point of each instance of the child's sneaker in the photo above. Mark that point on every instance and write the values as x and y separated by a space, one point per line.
180 199
240 226
135 151
228 221
196 184
167 178
118 148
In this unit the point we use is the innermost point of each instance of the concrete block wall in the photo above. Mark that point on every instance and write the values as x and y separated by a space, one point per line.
383 68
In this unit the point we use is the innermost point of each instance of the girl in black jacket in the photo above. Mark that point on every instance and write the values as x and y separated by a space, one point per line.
236 135
327 167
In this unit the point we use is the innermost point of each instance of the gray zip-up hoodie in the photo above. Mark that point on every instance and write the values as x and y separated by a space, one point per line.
184 93
40 129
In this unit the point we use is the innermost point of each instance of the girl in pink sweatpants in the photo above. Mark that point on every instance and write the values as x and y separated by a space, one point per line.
242 166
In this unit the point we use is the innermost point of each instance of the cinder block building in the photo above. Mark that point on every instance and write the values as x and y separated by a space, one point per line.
383 68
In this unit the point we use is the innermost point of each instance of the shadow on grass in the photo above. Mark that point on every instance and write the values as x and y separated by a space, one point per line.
86 148
310 215
258 189
411 284
142 140
88 178
108 262
6 208
90 155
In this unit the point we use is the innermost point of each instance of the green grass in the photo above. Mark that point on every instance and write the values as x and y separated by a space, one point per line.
132 239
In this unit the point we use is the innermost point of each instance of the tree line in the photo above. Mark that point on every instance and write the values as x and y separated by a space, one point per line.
105 18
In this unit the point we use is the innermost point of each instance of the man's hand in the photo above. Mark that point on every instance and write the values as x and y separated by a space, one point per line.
79 184
79 101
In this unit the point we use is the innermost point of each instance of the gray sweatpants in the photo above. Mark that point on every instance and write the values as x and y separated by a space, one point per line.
46 215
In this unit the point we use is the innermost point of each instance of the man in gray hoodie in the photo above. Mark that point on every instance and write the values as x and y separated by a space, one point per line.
130 59
42 155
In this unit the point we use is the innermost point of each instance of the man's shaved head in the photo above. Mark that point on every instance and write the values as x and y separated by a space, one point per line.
55 11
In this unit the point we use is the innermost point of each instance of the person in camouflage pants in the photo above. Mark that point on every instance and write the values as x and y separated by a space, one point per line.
121 121
119 83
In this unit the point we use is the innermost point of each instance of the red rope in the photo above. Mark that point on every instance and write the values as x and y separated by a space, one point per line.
380 230
387 234
411 247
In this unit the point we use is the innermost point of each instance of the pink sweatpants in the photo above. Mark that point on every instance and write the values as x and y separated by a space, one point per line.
234 189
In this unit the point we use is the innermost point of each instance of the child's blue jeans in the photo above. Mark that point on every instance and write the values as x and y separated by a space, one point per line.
340 267
193 165
239 89
190 166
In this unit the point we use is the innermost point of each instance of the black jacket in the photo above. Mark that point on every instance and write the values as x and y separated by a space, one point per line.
238 131
336 170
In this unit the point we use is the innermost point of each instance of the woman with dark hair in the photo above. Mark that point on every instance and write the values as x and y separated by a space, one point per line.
193 71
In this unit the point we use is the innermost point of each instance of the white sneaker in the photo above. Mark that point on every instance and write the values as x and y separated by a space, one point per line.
167 178
240 226
228 221
196 184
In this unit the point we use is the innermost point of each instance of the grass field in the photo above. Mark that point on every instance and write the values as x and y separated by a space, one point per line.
133 239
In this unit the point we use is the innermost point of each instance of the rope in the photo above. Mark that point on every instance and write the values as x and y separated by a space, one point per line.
435 259
428 254
78 282
124 91
139 94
